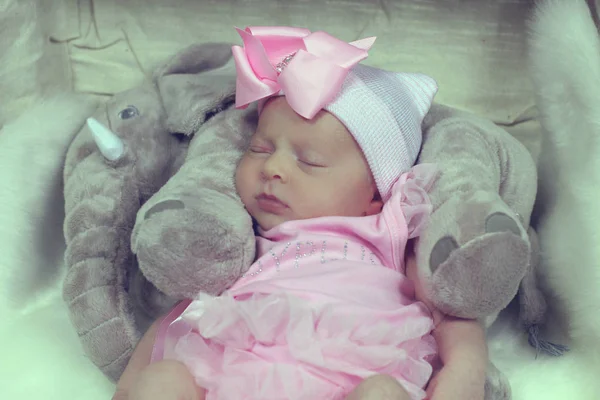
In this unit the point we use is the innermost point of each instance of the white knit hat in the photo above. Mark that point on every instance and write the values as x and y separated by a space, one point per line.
383 111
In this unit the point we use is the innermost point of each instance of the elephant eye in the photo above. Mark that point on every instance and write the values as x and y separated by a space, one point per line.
212 112
228 102
129 112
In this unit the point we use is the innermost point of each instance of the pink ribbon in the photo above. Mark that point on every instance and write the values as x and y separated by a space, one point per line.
309 68
160 339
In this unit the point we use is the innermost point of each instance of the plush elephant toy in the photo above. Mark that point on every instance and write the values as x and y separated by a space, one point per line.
152 216
141 161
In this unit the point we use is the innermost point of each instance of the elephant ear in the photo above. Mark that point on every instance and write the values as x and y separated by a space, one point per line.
195 85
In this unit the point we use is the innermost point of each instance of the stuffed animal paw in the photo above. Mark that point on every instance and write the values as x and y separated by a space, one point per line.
175 236
469 262
475 250
194 235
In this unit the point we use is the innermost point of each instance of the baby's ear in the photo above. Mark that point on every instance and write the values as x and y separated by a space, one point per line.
376 205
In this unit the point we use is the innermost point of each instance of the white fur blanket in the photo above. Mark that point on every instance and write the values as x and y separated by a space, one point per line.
565 53
41 356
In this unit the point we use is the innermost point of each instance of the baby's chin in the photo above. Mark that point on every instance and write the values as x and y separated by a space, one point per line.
267 222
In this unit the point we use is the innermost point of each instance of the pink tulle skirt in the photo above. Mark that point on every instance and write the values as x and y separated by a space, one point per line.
280 346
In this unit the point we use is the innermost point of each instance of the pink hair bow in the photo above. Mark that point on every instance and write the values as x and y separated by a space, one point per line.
309 68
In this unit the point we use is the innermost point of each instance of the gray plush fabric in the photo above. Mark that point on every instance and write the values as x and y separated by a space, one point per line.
476 249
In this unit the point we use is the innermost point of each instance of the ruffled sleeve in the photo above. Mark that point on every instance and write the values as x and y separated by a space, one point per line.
411 190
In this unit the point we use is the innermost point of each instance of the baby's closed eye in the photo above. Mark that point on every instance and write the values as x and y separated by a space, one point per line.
259 149
260 146
312 159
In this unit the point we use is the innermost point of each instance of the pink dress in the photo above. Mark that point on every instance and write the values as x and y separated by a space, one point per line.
325 305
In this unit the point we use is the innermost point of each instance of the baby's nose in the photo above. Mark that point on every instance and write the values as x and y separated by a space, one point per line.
274 168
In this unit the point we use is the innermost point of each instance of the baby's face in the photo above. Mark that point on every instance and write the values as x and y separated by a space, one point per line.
297 169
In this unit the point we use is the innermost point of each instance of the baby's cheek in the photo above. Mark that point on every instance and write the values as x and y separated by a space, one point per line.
243 180
239 183
351 195
326 200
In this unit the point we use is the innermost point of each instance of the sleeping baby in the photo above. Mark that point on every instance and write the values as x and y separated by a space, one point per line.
330 309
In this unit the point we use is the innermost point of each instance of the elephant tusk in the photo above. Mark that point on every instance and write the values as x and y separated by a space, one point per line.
110 145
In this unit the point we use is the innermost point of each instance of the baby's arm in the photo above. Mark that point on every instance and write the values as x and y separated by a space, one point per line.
161 380
138 361
462 350
464 357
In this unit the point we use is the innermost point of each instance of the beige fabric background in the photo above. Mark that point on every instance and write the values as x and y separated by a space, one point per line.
30 65
474 48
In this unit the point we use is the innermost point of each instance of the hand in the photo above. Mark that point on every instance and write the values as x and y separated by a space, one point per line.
379 387
413 274
163 380
462 349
